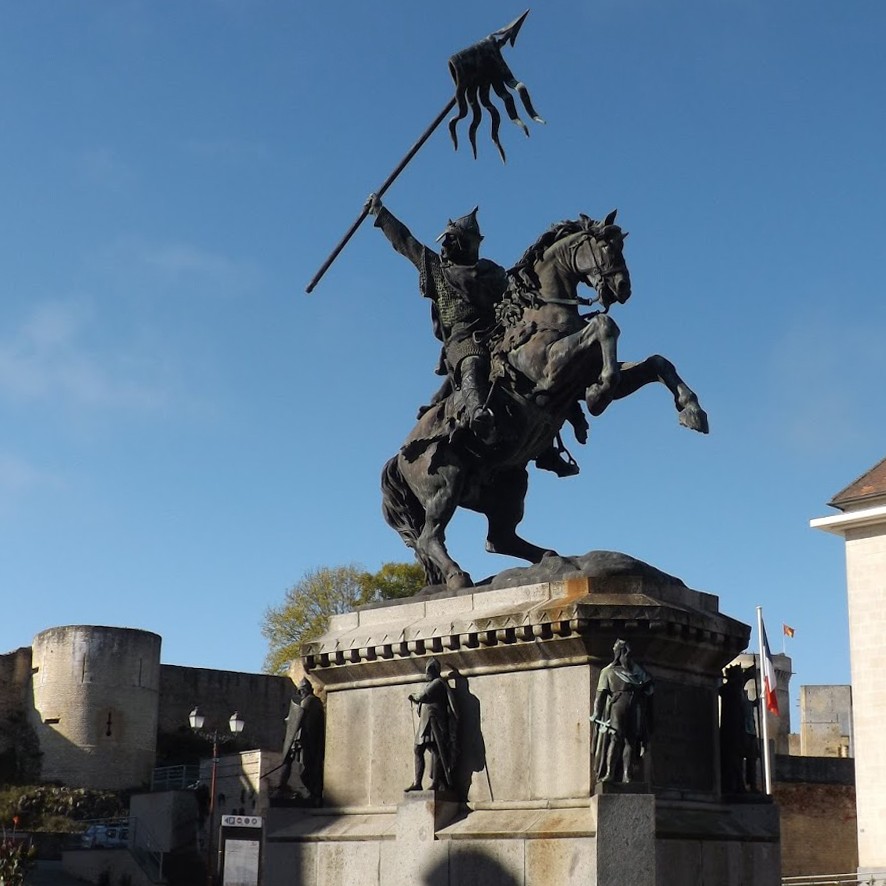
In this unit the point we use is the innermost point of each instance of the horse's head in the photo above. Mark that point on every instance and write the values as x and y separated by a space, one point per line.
568 253
595 255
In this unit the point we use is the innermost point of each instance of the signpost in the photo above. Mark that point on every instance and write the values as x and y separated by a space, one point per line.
241 850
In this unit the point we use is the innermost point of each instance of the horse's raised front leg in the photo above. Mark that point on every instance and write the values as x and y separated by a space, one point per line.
502 502
440 493
600 334
659 369
602 330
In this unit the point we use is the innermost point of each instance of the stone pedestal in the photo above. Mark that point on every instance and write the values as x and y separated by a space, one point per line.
625 839
523 663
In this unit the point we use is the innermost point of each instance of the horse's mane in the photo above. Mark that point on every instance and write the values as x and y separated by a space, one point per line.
523 282
555 232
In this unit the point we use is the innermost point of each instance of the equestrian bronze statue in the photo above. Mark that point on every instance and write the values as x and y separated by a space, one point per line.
521 359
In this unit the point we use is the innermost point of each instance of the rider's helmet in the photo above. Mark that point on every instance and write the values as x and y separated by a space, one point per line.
461 238
465 226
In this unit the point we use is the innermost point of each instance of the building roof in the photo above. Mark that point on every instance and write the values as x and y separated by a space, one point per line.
870 485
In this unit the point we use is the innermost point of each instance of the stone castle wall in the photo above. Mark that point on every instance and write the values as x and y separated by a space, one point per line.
19 752
15 673
816 796
826 721
261 699
95 700
89 702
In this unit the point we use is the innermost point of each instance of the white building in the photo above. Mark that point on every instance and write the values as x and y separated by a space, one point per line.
862 524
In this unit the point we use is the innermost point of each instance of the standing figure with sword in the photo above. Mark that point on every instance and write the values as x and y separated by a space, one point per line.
622 716
437 730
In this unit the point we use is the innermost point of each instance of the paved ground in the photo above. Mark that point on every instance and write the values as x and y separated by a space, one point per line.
51 873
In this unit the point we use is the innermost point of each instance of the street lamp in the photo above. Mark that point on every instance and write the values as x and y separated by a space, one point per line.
235 724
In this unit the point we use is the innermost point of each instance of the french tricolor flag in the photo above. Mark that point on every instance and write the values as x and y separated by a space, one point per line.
770 684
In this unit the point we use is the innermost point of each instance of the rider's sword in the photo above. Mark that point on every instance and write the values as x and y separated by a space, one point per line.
475 70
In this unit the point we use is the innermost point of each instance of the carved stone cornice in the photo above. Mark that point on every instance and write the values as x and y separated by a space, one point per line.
548 624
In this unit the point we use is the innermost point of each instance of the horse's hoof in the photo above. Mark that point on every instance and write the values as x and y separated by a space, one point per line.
459 580
597 399
694 418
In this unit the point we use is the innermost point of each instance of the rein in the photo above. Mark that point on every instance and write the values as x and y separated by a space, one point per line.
578 300
601 272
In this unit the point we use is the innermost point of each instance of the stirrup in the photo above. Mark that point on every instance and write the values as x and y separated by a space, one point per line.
553 460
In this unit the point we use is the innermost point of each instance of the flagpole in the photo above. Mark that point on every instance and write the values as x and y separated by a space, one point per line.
761 701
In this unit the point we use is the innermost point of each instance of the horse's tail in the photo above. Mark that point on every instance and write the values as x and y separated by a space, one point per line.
404 513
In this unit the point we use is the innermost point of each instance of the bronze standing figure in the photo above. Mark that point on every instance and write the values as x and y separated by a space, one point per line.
437 729
622 716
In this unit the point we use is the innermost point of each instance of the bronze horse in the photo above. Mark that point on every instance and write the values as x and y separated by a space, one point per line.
546 357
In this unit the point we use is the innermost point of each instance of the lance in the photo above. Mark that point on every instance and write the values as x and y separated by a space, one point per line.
475 71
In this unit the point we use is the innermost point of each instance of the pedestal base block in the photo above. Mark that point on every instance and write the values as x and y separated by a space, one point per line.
522 662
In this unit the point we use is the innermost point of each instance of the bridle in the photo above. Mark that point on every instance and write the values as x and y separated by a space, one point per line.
602 272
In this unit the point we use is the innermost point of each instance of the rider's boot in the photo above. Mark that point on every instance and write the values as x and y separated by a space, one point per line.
474 389
552 460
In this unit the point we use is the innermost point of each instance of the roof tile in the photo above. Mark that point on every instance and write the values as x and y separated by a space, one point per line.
871 484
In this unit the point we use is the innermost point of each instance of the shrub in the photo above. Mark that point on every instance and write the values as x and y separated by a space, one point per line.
50 807
16 859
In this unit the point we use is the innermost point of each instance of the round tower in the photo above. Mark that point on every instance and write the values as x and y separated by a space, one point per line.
96 694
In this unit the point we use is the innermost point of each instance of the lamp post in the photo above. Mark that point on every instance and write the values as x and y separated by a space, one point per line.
235 724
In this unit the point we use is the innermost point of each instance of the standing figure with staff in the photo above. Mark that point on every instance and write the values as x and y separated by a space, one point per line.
437 730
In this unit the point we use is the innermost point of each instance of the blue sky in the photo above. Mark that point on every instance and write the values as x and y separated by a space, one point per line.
186 432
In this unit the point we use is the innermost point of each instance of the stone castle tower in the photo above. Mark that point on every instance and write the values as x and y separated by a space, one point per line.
95 704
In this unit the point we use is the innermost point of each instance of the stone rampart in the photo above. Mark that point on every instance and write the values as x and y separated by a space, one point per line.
261 699
15 672
19 756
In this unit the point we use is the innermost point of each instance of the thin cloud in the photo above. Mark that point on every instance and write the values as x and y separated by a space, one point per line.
162 266
49 358
19 476
181 259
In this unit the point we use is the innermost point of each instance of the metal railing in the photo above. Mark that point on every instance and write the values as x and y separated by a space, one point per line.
871 878
174 778
144 847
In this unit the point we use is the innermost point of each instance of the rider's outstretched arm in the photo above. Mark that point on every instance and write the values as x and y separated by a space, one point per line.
397 233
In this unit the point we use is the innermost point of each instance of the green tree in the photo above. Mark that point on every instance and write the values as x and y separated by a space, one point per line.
326 591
